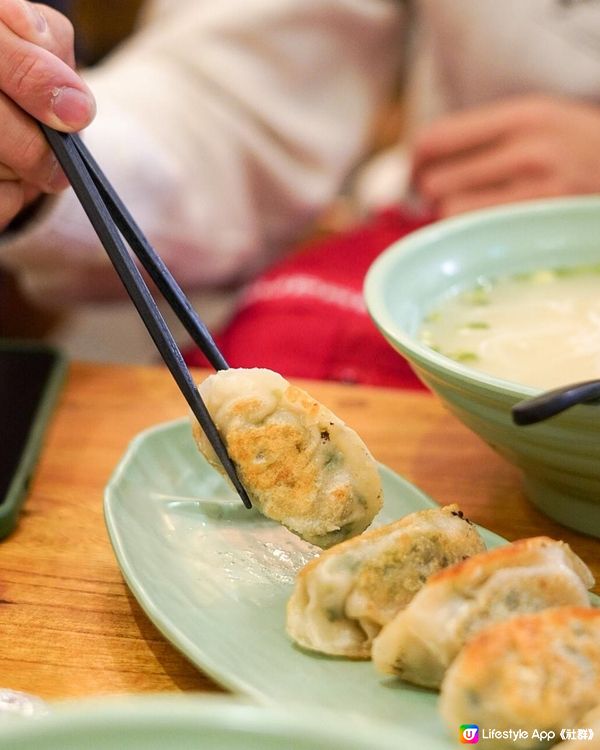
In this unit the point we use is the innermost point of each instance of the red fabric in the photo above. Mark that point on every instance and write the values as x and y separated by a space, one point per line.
305 316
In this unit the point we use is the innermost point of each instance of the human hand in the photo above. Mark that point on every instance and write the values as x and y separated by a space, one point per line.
517 149
37 80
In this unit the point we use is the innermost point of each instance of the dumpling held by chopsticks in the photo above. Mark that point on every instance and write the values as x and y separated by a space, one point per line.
300 464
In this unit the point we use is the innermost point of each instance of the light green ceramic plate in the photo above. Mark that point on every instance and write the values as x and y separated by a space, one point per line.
183 723
215 578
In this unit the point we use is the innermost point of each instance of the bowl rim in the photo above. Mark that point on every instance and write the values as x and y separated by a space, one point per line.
379 272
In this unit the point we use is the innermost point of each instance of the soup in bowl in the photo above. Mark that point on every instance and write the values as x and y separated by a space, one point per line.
496 306
540 328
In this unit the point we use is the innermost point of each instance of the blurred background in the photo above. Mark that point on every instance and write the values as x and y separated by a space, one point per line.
99 28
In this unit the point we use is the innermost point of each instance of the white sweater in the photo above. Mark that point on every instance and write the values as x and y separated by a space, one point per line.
226 125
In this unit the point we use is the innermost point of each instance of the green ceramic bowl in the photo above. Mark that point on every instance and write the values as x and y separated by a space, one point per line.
175 722
560 458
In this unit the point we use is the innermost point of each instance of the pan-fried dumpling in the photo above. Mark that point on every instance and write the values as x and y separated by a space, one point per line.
300 464
344 597
529 575
538 671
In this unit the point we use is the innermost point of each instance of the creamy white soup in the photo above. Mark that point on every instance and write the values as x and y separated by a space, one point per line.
540 329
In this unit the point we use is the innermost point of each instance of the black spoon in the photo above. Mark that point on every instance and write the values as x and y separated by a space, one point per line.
547 404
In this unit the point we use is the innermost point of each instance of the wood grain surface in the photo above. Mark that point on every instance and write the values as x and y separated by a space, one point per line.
69 626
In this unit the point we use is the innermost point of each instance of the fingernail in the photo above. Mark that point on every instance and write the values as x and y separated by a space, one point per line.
73 107
39 19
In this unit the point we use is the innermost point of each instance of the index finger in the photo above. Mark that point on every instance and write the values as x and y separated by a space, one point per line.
41 25
42 84
24 18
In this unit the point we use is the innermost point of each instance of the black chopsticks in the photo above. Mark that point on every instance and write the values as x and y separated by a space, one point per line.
548 404
111 219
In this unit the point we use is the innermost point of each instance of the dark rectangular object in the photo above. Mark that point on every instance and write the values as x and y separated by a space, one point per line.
30 379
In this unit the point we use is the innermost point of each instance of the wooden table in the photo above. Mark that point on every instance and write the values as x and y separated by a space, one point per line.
69 626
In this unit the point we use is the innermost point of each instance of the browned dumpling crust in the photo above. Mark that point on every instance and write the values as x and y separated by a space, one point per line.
420 643
343 598
300 464
534 672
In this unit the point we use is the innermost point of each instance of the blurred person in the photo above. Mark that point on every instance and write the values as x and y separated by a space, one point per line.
227 127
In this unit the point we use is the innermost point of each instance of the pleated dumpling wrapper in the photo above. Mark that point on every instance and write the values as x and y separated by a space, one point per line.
343 598
529 575
534 672
299 463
